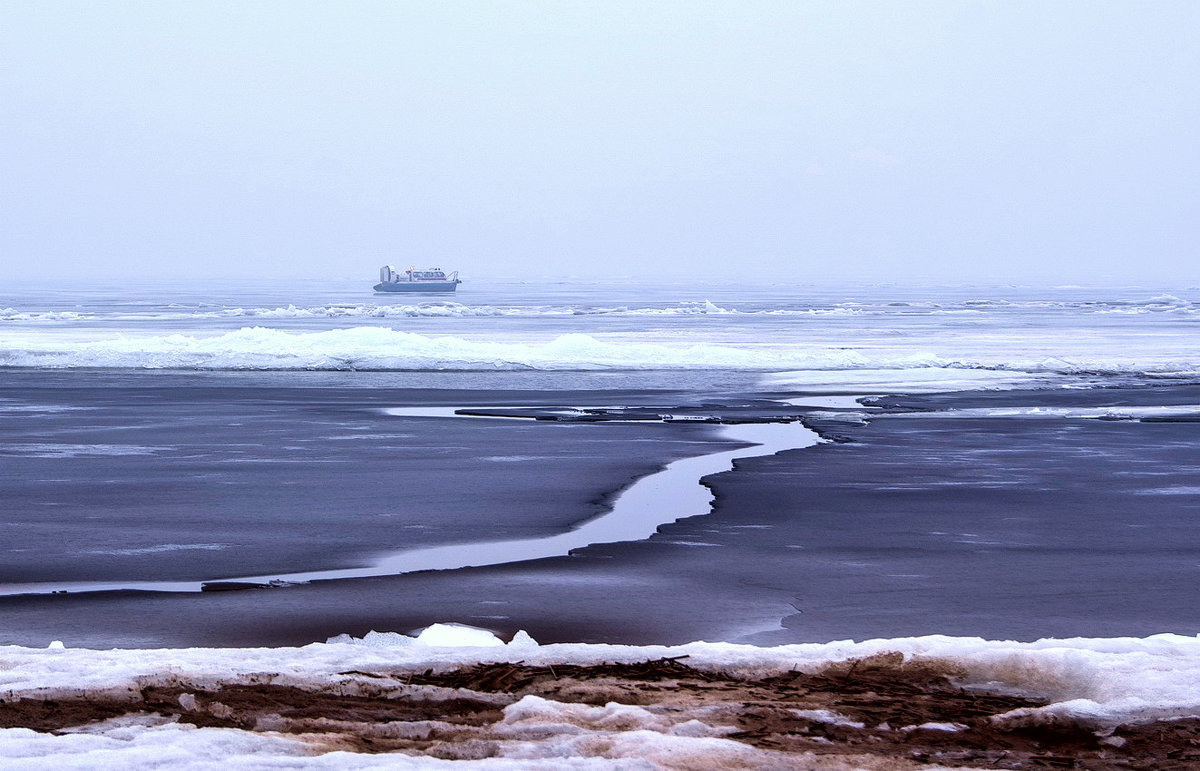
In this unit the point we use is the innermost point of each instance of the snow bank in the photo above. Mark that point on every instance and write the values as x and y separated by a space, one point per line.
1103 680
1118 678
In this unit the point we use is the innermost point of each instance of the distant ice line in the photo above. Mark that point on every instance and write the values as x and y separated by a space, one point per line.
384 349
636 514
438 309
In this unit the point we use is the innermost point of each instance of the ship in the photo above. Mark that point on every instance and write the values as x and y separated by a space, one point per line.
413 280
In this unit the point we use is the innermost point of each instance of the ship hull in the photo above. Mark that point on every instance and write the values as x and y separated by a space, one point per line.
418 286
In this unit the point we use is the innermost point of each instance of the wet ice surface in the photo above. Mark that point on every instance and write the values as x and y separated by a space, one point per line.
995 526
633 514
288 479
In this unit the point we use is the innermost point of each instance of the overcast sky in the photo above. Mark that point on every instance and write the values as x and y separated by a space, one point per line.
955 140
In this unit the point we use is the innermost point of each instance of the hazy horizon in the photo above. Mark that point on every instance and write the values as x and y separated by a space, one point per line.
935 142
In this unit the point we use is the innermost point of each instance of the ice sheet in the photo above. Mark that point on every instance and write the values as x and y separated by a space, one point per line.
636 514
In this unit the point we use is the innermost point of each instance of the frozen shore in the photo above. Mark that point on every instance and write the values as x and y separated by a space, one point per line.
463 697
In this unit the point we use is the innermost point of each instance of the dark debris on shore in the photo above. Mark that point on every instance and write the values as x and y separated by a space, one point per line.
880 707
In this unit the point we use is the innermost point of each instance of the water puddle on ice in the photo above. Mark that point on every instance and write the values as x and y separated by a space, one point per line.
638 510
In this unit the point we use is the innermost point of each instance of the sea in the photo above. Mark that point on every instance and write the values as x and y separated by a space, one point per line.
629 328
76 360
996 462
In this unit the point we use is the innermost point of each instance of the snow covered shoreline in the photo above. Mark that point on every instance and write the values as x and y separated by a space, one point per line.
1120 678
1093 682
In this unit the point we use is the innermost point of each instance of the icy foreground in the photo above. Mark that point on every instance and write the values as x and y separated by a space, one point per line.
1097 683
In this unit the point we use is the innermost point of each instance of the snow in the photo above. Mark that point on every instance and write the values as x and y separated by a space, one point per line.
1130 412
651 305
946 727
931 379
1106 677
376 348
1100 679
456 635
433 309
828 717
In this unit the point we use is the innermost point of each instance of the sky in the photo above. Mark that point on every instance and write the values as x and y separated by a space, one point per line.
957 141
